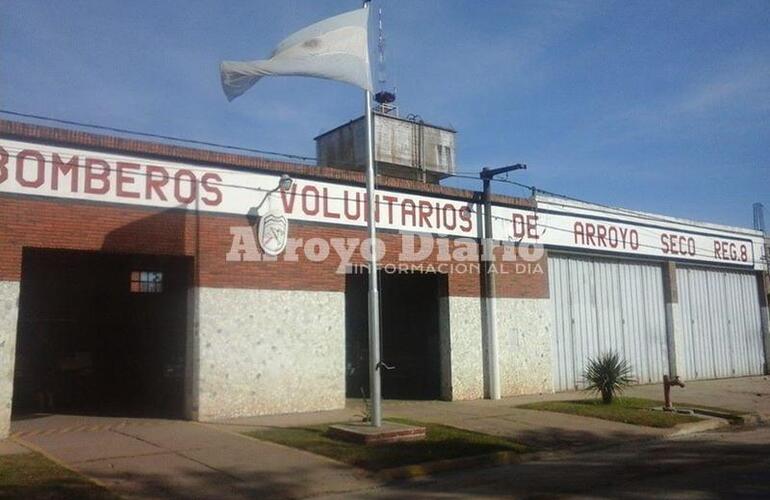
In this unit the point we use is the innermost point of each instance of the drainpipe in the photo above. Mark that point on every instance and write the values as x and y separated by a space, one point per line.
764 318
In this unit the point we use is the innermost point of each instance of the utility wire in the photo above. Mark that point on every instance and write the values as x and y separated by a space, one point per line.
458 174
379 202
158 136
619 210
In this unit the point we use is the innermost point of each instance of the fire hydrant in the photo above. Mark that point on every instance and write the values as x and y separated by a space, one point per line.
667 383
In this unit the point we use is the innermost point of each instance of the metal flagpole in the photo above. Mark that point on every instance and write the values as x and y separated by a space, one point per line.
374 295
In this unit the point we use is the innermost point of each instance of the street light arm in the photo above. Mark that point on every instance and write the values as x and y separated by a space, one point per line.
492 362
284 184
488 173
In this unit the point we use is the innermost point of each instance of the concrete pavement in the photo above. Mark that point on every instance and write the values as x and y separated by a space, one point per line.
141 458
746 394
146 458
541 430
8 447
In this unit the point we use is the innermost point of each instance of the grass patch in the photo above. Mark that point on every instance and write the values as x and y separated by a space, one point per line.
634 411
31 476
441 443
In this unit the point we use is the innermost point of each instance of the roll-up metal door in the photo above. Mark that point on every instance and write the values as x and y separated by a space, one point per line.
601 305
722 331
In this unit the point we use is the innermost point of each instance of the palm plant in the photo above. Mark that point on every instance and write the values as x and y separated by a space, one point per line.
608 375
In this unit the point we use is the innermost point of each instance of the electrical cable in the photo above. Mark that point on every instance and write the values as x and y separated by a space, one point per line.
619 210
157 136
459 174
379 202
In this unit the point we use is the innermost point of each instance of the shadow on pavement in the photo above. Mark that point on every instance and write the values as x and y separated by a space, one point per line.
674 469
188 483
704 468
556 438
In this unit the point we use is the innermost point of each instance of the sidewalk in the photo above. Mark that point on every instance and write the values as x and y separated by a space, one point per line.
540 430
745 394
141 458
148 458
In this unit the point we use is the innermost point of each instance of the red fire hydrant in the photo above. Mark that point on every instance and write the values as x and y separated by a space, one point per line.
667 383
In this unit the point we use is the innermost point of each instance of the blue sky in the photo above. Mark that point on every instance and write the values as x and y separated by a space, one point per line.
657 106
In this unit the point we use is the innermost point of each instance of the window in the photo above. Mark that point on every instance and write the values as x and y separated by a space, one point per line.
146 282
444 154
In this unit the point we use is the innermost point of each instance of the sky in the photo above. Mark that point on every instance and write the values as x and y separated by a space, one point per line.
648 105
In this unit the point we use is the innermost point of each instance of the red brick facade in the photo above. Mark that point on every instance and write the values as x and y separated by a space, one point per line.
49 223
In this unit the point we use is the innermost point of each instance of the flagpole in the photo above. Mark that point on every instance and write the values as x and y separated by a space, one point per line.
291 58
374 294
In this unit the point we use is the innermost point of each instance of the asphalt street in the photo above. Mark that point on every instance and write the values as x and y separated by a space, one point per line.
725 464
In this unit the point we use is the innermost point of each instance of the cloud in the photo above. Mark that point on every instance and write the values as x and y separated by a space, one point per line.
721 103
744 85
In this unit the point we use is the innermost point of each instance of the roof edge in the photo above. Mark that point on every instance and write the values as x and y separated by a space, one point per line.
100 142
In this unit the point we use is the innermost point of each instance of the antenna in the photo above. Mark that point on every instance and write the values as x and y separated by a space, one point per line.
759 217
382 76
383 97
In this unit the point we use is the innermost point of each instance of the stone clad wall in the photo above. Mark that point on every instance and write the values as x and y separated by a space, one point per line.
524 346
9 311
463 373
269 351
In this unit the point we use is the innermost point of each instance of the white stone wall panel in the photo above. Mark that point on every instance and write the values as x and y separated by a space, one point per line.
269 351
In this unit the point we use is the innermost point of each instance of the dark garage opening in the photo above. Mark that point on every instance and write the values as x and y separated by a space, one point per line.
410 331
101 334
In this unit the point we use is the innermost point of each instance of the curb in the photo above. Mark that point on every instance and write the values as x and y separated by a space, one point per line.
725 419
714 420
732 418
754 419
499 458
708 424
430 468
416 471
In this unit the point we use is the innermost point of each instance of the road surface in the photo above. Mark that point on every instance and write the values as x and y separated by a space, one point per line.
724 464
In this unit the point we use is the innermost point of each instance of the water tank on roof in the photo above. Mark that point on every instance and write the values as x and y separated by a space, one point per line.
403 147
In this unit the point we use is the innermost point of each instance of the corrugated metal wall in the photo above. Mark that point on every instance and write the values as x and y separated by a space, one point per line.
722 331
601 305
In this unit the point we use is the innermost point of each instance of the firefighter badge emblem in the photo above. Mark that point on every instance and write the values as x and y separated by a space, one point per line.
273 232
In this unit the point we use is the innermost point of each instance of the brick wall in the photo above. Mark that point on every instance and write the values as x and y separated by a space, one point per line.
43 223
48 223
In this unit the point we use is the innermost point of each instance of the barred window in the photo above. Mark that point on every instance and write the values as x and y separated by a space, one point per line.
146 282
444 156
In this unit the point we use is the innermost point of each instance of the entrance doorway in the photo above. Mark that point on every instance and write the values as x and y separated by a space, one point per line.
101 334
410 333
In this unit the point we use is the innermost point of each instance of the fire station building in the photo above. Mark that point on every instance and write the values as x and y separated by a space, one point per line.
146 279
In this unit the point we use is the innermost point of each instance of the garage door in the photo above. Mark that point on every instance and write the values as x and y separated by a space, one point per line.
601 305
101 334
722 333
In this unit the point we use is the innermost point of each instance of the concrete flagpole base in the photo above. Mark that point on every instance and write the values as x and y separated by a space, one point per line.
366 434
